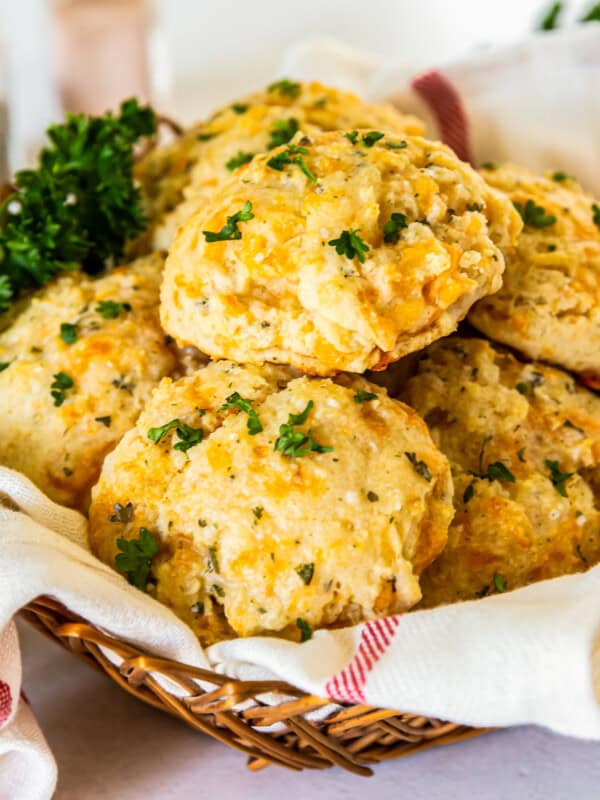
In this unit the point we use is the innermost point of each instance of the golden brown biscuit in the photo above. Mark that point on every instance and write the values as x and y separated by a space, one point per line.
523 441
178 179
327 517
337 253
78 365
549 304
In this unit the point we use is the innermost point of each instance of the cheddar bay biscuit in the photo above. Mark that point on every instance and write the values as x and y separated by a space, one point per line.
342 251
273 499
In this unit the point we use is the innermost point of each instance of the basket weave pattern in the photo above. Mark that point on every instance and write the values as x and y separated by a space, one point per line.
351 738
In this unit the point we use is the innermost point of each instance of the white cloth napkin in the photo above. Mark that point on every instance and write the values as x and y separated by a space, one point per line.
529 656
536 102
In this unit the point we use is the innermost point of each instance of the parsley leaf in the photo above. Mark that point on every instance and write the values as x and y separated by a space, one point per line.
596 214
490 165
421 467
135 557
560 176
59 386
104 421
499 583
522 387
372 497
550 19
236 400
535 216
206 136
593 15
230 230
352 136
286 88
239 108
79 206
68 332
392 228
468 493
350 244
122 513
4 365
291 155
188 436
282 131
239 160
362 397
295 444
497 471
306 572
369 139
396 145
305 629
557 477
111 310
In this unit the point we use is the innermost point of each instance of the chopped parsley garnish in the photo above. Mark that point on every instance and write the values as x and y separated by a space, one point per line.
291 155
187 435
522 387
396 145
352 136
499 472
369 139
535 216
557 477
59 386
499 583
420 467
593 15
213 559
206 136
122 513
236 400
4 365
372 497
596 214
392 228
79 206
560 177
239 108
230 230
305 629
550 19
362 397
286 88
111 310
135 557
239 160
282 131
350 244
104 421
258 512
68 332
468 493
491 165
305 573
294 444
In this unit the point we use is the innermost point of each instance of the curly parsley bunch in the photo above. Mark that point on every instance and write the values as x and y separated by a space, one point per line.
79 207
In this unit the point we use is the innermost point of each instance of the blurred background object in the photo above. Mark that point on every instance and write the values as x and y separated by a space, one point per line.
187 56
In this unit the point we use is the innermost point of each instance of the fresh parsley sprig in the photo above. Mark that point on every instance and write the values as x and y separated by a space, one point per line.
350 244
59 387
557 477
282 131
236 400
188 436
230 230
293 443
135 558
391 229
237 161
535 216
293 154
109 309
79 206
286 88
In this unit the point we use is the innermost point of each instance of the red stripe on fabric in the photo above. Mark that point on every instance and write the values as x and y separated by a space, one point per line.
375 637
5 702
445 103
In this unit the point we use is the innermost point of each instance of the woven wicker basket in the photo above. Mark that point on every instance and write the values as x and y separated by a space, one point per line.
351 738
